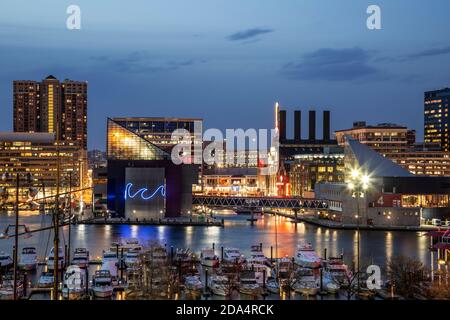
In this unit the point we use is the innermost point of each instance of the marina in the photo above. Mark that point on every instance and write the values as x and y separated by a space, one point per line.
287 261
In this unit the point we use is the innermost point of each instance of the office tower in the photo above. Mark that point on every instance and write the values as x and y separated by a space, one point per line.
74 112
54 107
436 118
26 106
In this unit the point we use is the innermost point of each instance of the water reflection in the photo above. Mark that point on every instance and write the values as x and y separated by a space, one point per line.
238 232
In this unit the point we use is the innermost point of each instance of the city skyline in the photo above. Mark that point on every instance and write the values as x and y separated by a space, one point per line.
210 65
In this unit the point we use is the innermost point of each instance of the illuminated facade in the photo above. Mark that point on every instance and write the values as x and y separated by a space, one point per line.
52 106
37 153
159 131
143 182
309 169
390 140
436 118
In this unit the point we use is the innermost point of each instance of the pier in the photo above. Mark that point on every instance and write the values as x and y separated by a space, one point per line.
155 222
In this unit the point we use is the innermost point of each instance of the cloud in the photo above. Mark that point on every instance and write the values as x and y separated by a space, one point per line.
333 65
248 34
430 53
141 62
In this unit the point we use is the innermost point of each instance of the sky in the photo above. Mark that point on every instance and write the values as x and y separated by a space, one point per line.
229 61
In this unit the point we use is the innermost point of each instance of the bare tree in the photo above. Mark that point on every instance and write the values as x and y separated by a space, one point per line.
408 275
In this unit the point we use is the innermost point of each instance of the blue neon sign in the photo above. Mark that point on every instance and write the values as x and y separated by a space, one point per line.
142 192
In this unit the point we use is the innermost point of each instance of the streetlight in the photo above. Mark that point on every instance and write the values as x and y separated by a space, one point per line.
9 177
358 185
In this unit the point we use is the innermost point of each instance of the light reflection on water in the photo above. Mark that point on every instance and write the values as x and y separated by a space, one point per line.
376 245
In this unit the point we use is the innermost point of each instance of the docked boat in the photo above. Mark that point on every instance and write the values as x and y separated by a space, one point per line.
283 270
158 255
45 280
5 260
218 285
28 259
248 284
131 259
209 259
102 284
232 255
272 285
261 271
257 256
81 257
110 256
336 270
7 287
305 282
51 259
74 283
306 257
193 283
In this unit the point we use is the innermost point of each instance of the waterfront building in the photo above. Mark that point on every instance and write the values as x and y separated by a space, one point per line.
309 169
390 140
242 182
394 196
143 182
436 118
37 154
52 106
158 130
280 184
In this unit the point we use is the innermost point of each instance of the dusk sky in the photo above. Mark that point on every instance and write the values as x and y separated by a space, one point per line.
228 61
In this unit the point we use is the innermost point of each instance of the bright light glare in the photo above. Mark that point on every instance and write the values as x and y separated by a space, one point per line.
355 173
351 186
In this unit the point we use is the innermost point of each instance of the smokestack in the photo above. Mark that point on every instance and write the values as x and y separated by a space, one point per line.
312 126
326 126
282 128
297 125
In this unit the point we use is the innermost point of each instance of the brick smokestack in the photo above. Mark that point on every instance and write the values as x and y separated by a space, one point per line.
297 125
312 126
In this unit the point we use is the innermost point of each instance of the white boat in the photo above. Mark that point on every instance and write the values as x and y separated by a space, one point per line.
51 259
283 271
7 287
28 259
209 259
193 283
232 255
74 283
336 270
257 256
158 255
102 284
81 257
305 282
110 256
306 257
273 286
112 268
261 271
332 287
131 259
248 284
219 285
5 260
45 280
308 286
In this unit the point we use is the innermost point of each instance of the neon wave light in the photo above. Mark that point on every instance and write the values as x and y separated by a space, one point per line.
141 192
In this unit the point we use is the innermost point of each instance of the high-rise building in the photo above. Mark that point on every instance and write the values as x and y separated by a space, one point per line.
436 118
26 106
52 106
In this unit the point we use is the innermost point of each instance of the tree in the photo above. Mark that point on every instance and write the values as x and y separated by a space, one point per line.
408 275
